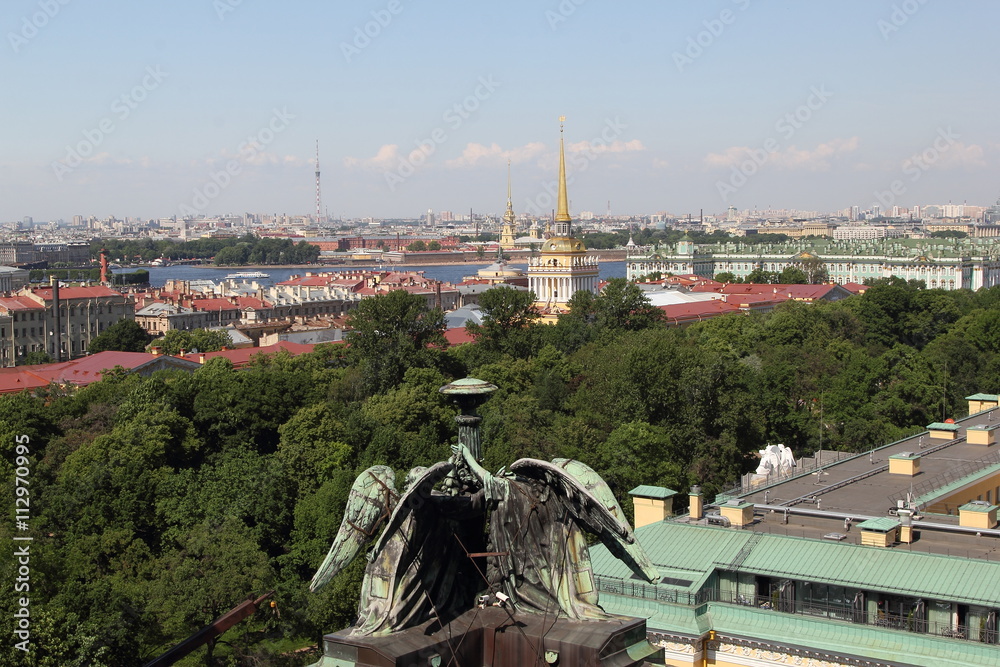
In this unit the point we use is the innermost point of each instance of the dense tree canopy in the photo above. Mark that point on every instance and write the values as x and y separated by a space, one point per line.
159 502
189 340
122 336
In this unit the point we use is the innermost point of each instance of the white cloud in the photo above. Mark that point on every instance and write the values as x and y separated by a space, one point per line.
599 146
816 159
959 155
474 154
387 157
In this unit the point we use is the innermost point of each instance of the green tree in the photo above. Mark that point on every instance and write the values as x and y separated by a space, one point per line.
623 306
122 336
793 275
37 357
727 277
391 332
434 245
815 269
203 340
508 314
417 246
761 277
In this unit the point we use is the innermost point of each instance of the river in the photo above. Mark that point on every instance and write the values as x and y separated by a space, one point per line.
452 273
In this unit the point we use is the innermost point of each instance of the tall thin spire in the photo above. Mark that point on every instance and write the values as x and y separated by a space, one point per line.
508 216
318 198
562 212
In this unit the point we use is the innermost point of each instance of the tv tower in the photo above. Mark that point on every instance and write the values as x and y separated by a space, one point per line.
318 198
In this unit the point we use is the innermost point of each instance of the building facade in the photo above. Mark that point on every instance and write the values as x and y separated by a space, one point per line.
968 264
83 313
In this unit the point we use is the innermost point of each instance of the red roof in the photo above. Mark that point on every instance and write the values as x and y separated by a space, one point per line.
76 292
684 313
755 298
798 292
855 288
82 371
19 303
458 336
241 357
213 304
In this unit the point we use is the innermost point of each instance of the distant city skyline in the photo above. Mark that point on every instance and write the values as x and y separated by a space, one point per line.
215 106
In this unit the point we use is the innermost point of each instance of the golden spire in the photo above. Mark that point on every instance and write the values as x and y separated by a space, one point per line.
562 212
508 216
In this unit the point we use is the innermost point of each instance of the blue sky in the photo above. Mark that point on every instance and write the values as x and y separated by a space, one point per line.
212 106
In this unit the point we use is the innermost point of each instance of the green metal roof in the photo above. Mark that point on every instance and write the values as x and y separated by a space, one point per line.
983 397
942 491
973 507
984 427
905 456
939 426
882 524
647 491
697 551
793 630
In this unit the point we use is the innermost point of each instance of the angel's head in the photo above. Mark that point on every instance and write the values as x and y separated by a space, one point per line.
413 476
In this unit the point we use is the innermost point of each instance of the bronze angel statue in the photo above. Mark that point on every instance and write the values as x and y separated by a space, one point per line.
537 513
418 569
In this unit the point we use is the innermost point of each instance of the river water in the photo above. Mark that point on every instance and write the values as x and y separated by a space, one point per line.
452 273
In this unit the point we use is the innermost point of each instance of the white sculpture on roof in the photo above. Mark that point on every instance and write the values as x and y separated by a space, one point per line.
776 459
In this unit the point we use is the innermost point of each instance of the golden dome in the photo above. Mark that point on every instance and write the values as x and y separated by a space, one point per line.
563 244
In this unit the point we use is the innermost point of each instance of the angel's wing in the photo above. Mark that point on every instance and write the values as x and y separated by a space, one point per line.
414 498
372 498
592 512
628 551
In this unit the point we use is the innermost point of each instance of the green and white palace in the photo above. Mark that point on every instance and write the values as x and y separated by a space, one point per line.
940 263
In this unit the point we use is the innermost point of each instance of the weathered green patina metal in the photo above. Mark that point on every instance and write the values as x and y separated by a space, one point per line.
428 544
469 394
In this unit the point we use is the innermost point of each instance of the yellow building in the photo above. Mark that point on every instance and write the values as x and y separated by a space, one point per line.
562 267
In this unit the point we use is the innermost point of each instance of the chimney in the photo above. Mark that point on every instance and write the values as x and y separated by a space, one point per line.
651 504
182 353
696 507
156 350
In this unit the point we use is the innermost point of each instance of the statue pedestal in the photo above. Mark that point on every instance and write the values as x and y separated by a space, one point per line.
491 637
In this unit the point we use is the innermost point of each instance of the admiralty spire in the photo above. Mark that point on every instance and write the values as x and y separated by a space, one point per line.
562 267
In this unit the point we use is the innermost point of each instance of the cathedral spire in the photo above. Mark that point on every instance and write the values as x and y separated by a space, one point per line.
562 212
508 216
